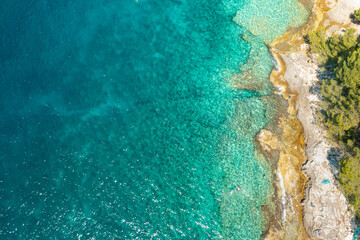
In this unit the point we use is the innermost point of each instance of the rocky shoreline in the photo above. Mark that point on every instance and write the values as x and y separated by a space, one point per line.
318 206
325 210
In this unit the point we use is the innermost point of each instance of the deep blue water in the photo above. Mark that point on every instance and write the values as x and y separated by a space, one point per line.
119 120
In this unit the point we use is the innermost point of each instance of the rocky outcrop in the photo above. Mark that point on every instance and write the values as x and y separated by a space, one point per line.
326 213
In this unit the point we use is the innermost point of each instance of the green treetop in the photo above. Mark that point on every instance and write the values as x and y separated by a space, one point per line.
357 15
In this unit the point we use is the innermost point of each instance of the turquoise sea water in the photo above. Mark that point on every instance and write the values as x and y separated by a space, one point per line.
120 119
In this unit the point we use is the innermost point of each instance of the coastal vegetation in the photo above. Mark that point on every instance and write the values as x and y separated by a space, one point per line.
356 15
339 111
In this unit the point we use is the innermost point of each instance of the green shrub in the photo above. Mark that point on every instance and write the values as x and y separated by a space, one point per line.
349 178
357 15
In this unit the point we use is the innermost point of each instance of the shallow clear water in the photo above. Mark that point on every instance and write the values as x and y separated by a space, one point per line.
120 119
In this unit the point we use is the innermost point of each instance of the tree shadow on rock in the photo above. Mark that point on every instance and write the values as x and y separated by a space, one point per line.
334 157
